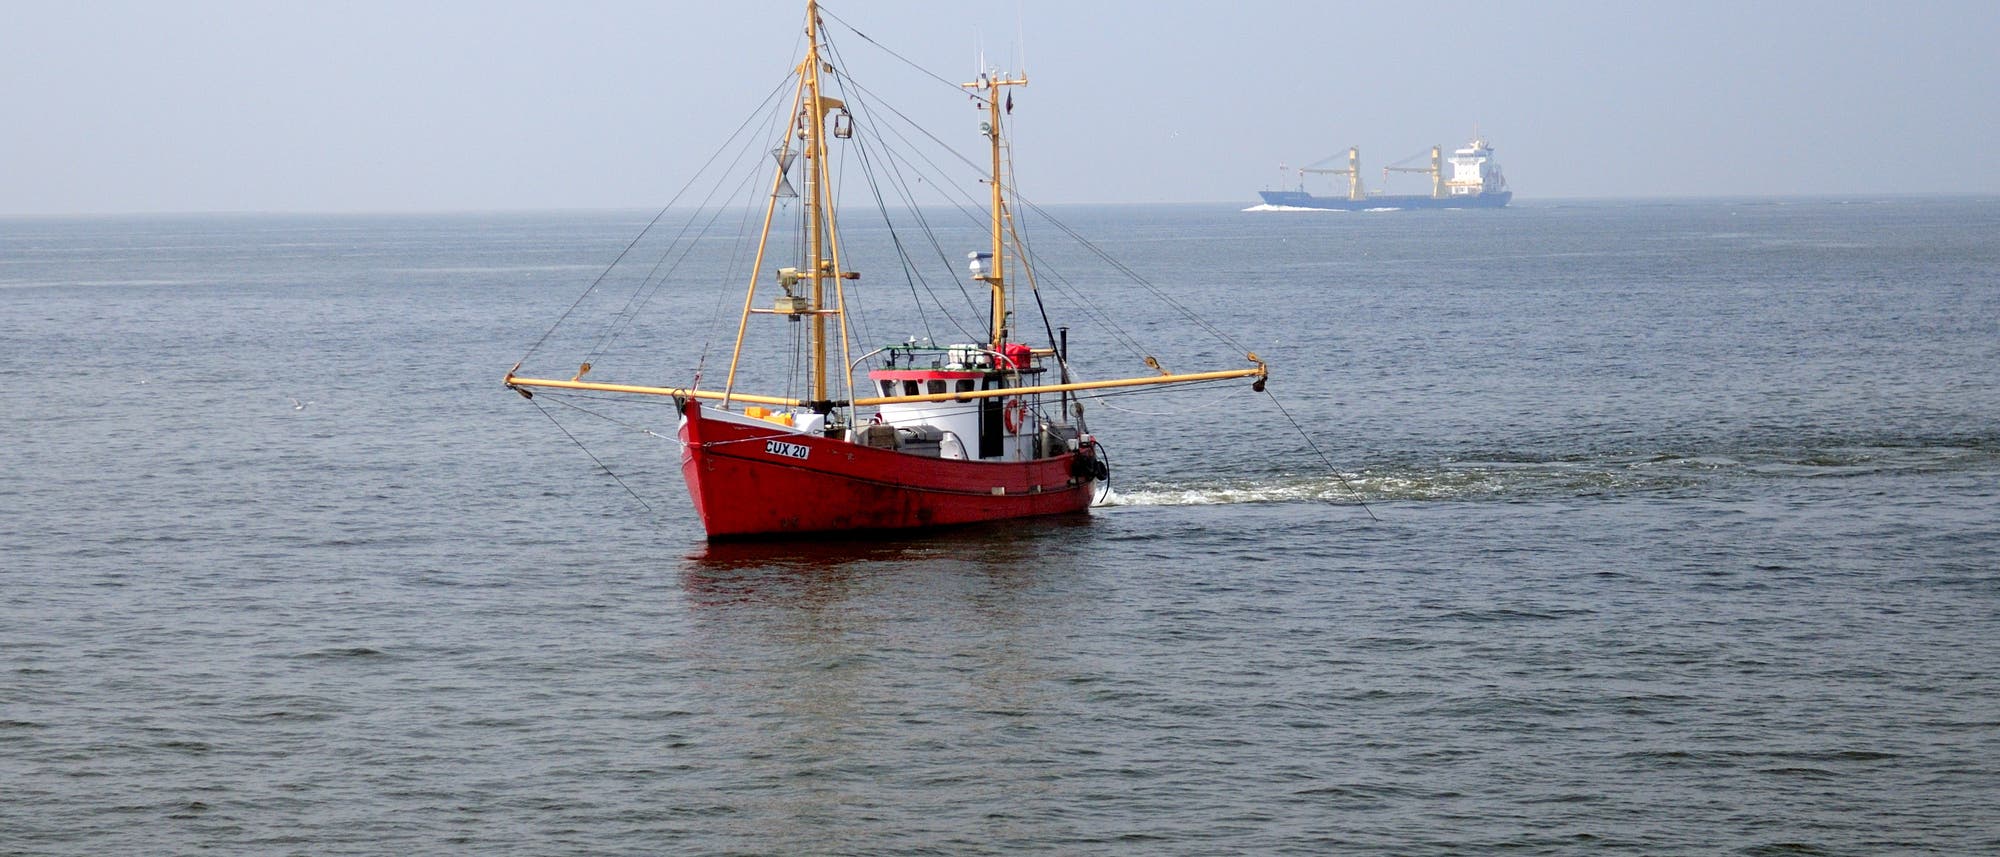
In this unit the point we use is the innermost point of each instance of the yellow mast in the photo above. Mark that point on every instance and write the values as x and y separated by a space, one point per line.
817 264
809 111
996 277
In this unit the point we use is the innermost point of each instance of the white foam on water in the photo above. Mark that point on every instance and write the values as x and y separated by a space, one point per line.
1446 481
1218 495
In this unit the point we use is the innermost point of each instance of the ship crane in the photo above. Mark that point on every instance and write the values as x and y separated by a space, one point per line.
1352 172
1436 171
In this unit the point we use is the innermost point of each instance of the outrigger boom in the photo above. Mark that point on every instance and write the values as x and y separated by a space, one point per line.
1259 371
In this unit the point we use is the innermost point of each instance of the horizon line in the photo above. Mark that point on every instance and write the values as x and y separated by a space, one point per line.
583 209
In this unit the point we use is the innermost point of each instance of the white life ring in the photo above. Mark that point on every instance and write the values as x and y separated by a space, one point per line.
1014 414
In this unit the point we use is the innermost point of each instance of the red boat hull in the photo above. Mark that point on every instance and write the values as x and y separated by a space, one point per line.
752 480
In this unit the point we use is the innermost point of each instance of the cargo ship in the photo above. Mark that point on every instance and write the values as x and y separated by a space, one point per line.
1475 182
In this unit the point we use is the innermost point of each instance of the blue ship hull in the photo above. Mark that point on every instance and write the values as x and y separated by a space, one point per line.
1301 199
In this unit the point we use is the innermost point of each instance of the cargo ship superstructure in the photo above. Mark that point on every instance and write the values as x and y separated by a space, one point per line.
1474 181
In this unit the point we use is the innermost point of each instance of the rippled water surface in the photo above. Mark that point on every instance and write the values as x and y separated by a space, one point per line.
1640 529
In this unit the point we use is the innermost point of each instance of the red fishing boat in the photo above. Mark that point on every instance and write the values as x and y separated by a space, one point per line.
928 436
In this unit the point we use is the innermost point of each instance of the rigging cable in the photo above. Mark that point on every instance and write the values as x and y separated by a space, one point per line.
1028 272
1098 313
649 226
853 313
1134 275
1073 234
885 49
1031 260
648 287
910 274
1358 498
1084 304
963 207
586 450
1209 407
735 270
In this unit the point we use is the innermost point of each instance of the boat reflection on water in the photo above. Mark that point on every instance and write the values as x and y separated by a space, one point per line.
791 656
808 572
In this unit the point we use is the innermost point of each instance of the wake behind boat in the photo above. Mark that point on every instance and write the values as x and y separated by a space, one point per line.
930 435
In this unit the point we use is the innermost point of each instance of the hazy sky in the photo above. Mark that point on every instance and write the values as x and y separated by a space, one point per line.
425 106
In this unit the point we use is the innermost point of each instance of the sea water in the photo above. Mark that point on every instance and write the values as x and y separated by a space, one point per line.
1657 527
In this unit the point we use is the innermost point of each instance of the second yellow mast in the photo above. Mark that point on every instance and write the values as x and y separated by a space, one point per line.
996 276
